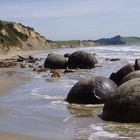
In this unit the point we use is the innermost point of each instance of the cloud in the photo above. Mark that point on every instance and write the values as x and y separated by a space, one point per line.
60 8
46 9
75 18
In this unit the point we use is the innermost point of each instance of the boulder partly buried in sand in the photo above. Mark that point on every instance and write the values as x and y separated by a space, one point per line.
55 61
81 59
124 104
130 76
120 74
93 90
137 64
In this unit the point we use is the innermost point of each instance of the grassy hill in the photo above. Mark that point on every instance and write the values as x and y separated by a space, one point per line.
69 43
131 40
118 40
15 36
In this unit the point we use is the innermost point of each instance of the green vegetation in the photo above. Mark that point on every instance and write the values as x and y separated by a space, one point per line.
118 40
12 36
131 40
68 42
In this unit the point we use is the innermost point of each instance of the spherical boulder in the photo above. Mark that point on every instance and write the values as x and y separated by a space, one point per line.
81 59
132 75
93 90
124 104
118 76
55 61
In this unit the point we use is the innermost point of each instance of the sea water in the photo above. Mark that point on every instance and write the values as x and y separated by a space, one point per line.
38 109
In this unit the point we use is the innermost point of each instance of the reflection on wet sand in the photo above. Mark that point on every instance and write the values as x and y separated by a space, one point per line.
4 111
9 136
85 111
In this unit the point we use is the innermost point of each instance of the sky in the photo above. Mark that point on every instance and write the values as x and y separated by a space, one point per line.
75 19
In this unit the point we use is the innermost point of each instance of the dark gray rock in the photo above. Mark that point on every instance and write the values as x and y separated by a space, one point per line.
118 76
81 59
137 64
55 61
93 90
67 55
132 75
124 104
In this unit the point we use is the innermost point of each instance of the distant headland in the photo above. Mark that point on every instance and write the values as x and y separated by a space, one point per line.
15 37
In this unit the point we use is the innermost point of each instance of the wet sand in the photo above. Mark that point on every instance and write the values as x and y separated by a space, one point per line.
7 84
9 136
22 53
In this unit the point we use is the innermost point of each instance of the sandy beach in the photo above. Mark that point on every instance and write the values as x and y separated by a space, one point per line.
9 136
12 54
7 84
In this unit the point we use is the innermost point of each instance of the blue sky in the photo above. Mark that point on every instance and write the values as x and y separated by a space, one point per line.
75 19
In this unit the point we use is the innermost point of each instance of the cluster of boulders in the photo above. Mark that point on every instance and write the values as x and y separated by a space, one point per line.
120 93
78 59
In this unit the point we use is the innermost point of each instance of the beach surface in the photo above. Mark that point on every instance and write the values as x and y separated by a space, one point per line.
7 84
9 136
32 104
10 80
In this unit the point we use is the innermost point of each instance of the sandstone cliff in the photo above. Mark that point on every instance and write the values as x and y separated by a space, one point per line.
15 37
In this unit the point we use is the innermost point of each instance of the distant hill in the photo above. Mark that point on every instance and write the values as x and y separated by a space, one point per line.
15 36
131 40
75 43
116 40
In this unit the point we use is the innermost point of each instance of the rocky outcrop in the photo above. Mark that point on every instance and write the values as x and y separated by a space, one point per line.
15 36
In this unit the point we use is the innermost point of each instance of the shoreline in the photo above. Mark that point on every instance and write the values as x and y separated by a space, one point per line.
10 79
10 55
7 84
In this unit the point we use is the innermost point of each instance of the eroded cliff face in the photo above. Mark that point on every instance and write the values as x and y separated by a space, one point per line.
15 36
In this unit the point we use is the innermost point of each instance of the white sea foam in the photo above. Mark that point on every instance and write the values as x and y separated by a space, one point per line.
103 135
66 119
47 96
52 97
96 127
36 92
59 102
99 132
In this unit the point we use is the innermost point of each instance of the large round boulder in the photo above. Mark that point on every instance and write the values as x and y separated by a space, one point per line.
93 90
132 75
55 61
120 74
124 104
81 59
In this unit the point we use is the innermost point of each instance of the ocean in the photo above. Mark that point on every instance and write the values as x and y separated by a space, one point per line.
37 108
